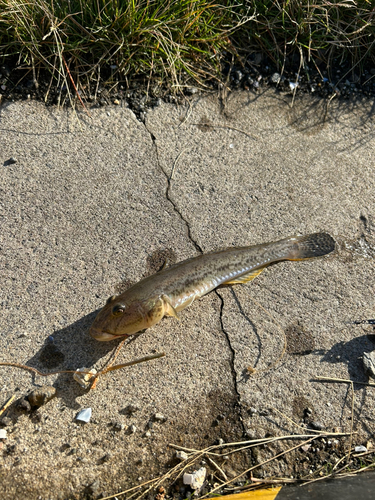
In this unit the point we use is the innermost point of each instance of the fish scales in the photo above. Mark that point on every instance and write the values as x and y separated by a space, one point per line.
175 288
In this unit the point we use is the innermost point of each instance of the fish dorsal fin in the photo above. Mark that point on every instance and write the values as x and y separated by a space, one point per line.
245 277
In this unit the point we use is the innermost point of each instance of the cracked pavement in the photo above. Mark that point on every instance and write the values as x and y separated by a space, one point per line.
95 205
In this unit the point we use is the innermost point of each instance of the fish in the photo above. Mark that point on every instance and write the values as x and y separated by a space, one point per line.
175 288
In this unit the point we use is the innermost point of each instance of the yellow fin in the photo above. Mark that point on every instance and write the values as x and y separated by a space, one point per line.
245 277
169 310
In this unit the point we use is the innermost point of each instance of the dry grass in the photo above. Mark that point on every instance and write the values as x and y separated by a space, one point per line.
172 41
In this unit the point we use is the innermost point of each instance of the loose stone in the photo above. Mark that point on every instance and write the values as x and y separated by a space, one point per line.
132 429
158 417
275 78
84 415
360 449
196 479
369 363
317 426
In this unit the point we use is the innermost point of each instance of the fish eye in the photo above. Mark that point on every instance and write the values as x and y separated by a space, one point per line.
118 309
111 299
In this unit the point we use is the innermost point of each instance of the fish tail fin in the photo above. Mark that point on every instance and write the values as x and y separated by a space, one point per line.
310 246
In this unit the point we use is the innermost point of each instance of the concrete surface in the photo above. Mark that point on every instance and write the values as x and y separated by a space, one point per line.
90 206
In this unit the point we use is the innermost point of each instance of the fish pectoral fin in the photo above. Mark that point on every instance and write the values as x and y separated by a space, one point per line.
245 278
165 264
190 301
169 310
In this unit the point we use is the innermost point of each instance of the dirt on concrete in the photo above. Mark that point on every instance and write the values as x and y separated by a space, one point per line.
90 205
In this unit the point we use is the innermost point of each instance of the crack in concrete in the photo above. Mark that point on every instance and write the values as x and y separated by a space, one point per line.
237 406
168 196
252 325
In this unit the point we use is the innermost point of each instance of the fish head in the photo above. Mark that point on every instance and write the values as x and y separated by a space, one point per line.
121 317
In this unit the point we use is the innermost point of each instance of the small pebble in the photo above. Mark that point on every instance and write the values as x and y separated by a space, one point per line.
239 75
132 429
116 102
84 415
360 449
275 78
293 85
196 479
317 426
158 417
220 441
369 363
3 434
118 426
147 434
181 455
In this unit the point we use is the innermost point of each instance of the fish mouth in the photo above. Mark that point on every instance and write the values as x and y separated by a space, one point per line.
103 336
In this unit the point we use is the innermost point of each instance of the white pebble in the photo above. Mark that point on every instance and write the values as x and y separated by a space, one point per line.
3 434
181 455
159 417
196 479
360 449
84 415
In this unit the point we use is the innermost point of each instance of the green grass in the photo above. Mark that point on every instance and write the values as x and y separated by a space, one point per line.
172 40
